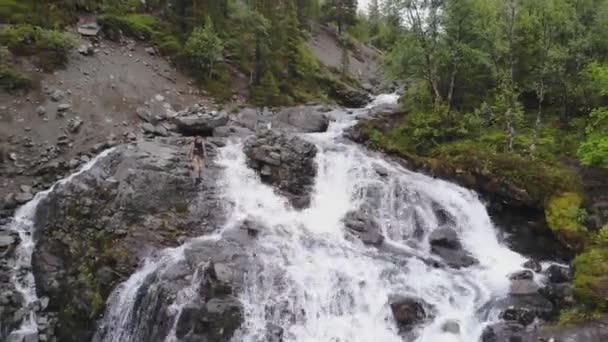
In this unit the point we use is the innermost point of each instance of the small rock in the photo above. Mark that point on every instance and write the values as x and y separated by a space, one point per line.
86 49
520 275
451 327
40 110
558 274
57 95
25 188
64 107
13 156
532 265
151 51
24 197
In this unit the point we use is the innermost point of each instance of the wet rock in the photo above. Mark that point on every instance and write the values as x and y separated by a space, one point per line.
532 265
451 326
455 258
558 274
445 237
523 287
521 275
561 295
306 119
408 312
362 223
504 332
96 229
288 164
523 309
446 244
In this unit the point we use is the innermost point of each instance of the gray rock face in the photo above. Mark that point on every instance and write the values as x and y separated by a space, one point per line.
350 97
284 161
362 224
97 228
308 119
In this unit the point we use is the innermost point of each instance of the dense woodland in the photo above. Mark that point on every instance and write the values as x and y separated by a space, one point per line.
516 89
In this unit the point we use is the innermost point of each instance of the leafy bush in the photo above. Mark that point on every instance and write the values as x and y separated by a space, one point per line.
591 278
594 149
50 47
563 214
204 48
10 78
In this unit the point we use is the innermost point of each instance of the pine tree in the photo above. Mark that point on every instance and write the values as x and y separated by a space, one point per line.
341 12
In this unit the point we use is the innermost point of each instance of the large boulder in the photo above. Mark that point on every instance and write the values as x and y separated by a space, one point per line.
197 120
350 97
95 229
361 222
308 119
286 162
408 312
446 244
524 309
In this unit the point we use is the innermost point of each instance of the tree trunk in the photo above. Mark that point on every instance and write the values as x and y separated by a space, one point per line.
451 90
539 112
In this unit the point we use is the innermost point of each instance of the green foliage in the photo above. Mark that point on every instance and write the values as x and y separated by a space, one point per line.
594 149
50 47
204 48
591 278
267 93
10 78
342 12
563 213
140 26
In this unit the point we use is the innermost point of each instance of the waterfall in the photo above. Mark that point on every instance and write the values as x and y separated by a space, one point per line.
22 276
334 288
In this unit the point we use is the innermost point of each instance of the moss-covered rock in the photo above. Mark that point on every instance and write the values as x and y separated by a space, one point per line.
564 215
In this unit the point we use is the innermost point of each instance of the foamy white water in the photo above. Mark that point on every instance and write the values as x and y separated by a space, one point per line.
334 288
23 224
318 283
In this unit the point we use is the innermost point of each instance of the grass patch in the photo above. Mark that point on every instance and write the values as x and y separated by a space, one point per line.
51 48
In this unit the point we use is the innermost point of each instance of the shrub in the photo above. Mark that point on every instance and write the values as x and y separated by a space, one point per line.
204 48
591 278
564 215
50 47
594 149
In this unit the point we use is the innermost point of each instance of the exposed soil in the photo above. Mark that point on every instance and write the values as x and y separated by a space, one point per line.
103 90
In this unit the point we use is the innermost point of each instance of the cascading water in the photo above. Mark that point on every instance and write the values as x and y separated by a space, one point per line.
315 282
22 276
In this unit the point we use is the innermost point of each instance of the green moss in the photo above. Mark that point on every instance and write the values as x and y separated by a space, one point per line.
591 278
564 216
